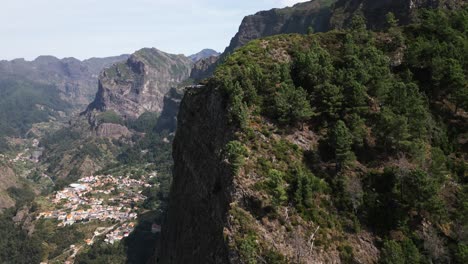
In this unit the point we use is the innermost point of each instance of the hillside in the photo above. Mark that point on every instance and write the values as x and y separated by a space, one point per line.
340 147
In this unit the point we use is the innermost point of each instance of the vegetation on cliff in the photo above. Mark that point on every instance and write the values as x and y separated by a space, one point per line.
348 134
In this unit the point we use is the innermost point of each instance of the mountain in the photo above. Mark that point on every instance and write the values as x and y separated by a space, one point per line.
139 84
74 80
339 147
319 16
24 103
46 89
136 99
206 53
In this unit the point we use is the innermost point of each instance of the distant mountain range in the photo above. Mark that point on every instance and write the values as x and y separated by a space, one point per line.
75 80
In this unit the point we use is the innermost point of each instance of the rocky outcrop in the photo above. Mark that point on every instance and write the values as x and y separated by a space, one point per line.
375 11
202 183
116 131
204 68
139 84
75 80
297 19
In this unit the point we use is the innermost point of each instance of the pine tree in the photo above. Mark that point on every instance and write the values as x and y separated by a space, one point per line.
312 68
341 142
392 253
292 105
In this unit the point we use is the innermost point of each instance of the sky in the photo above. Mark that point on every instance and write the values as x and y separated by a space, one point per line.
101 28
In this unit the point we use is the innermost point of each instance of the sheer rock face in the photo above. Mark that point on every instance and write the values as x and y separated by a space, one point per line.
375 11
139 84
202 184
75 80
168 119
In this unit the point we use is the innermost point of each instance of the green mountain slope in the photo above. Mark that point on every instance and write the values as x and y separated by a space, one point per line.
23 103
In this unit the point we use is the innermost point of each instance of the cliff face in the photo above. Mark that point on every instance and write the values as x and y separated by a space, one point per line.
75 80
202 182
167 121
375 11
139 84
297 19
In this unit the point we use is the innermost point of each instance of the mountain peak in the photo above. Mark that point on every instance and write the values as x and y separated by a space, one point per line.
205 53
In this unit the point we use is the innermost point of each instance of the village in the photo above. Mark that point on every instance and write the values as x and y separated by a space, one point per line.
99 198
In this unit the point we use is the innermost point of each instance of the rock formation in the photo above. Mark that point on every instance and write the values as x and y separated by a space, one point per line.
200 192
139 84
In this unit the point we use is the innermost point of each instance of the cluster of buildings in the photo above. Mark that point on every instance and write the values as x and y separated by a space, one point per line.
99 198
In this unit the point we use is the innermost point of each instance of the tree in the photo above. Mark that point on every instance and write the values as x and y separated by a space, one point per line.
312 68
329 100
341 143
392 253
410 251
292 106
275 185
391 20
406 101
358 23
394 31
462 253
238 110
416 190
392 130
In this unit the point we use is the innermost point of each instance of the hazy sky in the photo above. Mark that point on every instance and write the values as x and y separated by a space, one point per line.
99 28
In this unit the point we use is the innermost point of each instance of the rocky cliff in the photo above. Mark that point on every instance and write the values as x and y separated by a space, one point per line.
294 153
297 19
139 84
75 80
202 184
167 121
